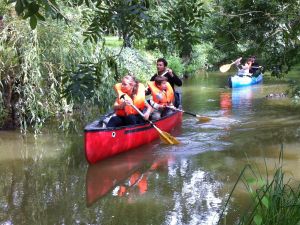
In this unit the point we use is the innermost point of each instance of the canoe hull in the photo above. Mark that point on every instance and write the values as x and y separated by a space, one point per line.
103 143
242 81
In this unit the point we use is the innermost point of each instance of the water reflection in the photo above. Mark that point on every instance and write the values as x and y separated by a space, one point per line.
196 198
125 175
225 103
242 99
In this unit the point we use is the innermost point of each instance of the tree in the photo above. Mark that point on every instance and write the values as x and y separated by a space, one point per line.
125 16
183 20
269 29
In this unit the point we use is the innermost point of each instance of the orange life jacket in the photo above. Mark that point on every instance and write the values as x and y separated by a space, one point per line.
161 97
138 100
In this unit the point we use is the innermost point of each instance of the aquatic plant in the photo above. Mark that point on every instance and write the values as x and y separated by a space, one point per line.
274 199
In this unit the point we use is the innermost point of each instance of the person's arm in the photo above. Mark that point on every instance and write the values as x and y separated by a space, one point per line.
147 91
153 77
177 80
239 67
119 106
148 111
174 78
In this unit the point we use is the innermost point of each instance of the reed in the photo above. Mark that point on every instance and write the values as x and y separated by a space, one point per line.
274 200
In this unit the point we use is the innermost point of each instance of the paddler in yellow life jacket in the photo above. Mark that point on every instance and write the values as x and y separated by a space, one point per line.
133 92
162 97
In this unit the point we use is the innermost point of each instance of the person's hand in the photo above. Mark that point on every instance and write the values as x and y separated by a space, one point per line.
170 71
127 102
238 61
122 105
162 107
147 115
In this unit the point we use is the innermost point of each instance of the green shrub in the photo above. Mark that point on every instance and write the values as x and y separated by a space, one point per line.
133 61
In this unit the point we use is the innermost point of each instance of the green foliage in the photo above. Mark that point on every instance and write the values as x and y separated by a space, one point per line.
294 91
135 62
158 38
175 63
36 10
200 55
274 201
31 63
91 83
267 29
113 41
124 17
183 20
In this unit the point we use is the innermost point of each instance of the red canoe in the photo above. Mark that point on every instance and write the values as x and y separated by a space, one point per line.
102 142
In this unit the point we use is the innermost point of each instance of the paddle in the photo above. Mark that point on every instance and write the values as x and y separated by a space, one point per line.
164 73
164 136
202 119
226 67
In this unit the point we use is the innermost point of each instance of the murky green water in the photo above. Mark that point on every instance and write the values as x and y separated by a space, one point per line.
47 180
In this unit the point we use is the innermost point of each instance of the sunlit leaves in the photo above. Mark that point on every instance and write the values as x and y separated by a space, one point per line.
37 10
257 219
184 20
121 16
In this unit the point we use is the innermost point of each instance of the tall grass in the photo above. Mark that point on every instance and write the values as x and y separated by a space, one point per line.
274 199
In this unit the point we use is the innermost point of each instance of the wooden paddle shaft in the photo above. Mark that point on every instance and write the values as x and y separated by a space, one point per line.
192 114
139 111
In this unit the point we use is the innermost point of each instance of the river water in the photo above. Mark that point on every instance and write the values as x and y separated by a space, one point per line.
46 180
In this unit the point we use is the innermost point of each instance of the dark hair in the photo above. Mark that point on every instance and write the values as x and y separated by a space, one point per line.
163 61
159 79
1 17
249 60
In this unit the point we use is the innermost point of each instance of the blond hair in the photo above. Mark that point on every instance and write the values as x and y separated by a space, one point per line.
133 81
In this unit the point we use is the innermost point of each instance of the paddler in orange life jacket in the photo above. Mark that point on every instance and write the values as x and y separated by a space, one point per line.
172 78
162 97
133 93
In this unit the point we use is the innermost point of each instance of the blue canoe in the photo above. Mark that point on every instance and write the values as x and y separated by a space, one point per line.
244 80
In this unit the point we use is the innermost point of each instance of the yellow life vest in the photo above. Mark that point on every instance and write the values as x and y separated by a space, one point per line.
165 97
138 100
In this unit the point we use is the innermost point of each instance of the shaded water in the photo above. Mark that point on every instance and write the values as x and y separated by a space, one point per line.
47 180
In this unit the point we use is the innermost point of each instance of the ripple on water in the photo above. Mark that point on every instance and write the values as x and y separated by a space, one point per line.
201 137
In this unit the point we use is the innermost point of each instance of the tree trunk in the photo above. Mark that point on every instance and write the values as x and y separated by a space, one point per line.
10 98
127 40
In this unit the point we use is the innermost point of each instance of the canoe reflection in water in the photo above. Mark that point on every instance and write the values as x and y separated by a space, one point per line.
124 175
238 100
225 103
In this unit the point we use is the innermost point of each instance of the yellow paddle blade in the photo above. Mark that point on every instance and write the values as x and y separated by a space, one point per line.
168 138
225 68
203 119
